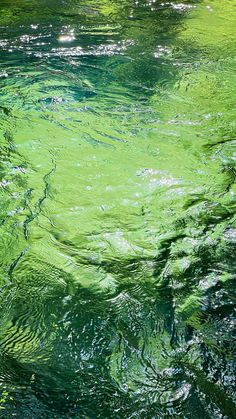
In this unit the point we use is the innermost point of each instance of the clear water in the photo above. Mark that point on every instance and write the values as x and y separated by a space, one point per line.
117 211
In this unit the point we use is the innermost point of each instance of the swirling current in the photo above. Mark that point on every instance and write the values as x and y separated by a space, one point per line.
118 209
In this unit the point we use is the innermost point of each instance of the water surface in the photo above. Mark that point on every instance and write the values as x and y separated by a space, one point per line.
117 213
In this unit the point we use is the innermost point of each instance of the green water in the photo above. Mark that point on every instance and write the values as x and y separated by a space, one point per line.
117 211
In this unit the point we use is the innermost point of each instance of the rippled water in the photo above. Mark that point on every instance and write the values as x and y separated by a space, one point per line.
117 213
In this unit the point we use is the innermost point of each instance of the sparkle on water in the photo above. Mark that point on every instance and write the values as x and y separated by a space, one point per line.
117 213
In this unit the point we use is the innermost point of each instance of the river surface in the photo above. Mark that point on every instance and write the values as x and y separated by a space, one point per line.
117 209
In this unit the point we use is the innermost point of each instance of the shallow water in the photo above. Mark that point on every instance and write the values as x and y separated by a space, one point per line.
117 213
